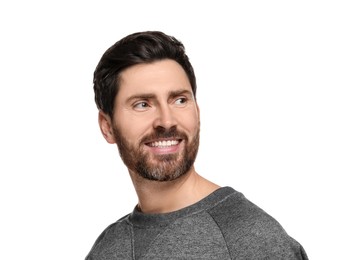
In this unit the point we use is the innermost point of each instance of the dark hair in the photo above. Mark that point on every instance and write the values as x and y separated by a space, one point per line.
136 48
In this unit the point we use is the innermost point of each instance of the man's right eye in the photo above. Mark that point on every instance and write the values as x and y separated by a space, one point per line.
142 105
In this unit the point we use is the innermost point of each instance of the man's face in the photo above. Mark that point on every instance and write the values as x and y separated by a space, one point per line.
156 121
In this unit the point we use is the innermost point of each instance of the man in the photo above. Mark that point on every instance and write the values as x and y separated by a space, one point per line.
145 91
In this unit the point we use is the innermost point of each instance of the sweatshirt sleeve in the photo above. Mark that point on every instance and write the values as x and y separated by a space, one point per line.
251 233
268 243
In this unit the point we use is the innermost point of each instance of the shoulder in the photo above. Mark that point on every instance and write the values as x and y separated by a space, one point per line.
251 233
115 229
116 236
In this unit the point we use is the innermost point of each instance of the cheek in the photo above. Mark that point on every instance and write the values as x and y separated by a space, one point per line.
132 128
191 123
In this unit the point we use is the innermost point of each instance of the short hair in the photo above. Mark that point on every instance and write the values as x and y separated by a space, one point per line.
136 48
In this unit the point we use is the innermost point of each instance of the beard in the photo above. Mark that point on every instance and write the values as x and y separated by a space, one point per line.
163 167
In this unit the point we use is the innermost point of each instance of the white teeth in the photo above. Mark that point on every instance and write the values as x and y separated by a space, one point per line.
164 143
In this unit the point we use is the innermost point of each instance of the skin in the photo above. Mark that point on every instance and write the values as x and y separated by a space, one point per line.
158 96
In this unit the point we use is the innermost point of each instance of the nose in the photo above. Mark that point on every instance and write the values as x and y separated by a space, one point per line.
165 118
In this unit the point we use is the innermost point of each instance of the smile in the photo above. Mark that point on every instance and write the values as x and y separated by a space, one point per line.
164 143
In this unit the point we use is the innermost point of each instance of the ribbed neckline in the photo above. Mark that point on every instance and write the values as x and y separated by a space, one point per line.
138 218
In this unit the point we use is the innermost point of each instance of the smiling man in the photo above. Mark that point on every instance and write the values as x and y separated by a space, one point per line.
145 90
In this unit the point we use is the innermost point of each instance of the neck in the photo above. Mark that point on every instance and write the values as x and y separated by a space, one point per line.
163 197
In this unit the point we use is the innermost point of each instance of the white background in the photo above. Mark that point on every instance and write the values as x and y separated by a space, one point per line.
271 90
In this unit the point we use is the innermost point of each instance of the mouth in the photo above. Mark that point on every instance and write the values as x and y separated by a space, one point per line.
164 146
164 143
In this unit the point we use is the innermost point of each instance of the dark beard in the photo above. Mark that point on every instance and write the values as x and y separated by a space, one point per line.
169 167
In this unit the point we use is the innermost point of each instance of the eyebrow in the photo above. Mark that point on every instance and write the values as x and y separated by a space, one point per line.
176 93
140 96
173 93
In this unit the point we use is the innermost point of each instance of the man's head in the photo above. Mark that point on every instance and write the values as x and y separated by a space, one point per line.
145 90
134 49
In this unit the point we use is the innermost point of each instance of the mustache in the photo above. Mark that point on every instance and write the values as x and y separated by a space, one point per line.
160 133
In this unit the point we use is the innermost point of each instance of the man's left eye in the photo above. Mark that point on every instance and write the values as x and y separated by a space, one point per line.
180 101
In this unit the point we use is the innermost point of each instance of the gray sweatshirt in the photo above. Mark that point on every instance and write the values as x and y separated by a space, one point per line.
224 225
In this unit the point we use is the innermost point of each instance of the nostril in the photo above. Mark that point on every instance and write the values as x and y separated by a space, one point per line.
166 132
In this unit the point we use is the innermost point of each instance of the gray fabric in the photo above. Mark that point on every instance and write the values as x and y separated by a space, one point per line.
224 225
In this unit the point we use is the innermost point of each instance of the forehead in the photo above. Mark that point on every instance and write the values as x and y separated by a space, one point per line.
157 77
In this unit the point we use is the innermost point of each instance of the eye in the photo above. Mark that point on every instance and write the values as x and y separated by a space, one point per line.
181 101
142 105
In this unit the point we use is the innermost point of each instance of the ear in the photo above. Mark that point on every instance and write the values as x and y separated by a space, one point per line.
105 125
